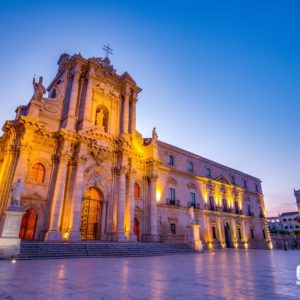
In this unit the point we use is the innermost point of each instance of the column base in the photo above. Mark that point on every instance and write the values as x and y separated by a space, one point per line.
74 236
131 237
154 238
53 235
120 237
9 247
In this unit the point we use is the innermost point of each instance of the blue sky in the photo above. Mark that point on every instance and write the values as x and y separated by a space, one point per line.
219 78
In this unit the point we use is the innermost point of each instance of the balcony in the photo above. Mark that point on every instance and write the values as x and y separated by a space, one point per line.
173 202
195 205
238 212
250 214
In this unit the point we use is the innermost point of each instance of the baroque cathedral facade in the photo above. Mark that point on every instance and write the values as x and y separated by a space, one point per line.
88 174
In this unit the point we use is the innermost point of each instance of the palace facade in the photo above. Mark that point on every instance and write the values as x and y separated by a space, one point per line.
88 174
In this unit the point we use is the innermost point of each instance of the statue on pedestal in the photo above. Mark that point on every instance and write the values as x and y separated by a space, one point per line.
39 89
154 134
17 190
192 215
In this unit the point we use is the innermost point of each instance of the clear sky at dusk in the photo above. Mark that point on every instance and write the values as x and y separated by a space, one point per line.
219 78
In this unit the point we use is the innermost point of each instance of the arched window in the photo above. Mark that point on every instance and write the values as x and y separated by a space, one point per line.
136 191
190 166
208 172
170 160
37 173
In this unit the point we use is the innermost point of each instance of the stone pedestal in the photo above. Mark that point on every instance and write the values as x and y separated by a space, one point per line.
9 237
53 235
155 238
194 237
131 237
120 237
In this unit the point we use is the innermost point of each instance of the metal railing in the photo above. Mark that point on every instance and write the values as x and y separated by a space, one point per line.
173 202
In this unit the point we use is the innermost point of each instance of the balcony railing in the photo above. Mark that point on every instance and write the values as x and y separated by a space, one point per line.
250 214
195 205
173 202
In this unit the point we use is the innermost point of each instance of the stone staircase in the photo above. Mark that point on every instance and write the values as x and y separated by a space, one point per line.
45 250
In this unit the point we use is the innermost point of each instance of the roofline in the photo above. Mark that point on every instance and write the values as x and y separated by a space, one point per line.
196 156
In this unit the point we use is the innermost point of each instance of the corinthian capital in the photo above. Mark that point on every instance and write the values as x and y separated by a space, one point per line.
131 173
153 177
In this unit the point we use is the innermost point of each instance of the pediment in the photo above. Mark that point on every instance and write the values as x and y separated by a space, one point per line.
223 179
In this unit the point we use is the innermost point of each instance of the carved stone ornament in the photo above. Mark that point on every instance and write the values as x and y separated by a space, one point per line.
95 180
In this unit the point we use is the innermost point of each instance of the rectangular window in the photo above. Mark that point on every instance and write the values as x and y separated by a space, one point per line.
172 194
192 199
211 202
173 228
245 184
170 160
264 234
252 233
256 188
214 235
232 179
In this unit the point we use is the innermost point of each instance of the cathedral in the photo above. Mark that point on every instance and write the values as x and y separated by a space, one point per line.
87 173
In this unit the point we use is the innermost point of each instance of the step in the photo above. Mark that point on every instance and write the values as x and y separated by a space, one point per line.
39 250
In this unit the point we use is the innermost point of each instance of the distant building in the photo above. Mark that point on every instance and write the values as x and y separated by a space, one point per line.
297 196
289 221
274 223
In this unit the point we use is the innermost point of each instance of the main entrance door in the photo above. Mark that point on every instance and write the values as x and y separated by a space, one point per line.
90 217
136 229
28 224
227 235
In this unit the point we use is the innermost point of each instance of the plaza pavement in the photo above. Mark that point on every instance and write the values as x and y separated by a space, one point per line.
222 274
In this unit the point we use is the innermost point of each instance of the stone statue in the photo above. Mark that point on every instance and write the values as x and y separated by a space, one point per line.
154 134
192 214
99 118
39 89
17 190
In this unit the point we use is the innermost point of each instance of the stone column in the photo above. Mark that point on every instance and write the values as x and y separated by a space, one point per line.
75 234
133 113
57 200
6 176
103 218
22 164
126 112
71 114
130 207
153 209
221 235
234 234
120 236
86 122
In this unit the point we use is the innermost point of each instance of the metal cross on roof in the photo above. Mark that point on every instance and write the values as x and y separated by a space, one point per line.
107 50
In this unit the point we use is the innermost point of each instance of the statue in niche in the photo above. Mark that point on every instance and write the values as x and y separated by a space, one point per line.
39 89
17 190
192 215
100 118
